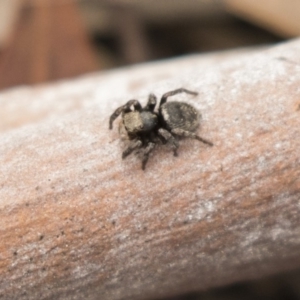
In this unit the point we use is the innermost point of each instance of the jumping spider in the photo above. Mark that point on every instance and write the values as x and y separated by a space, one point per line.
145 127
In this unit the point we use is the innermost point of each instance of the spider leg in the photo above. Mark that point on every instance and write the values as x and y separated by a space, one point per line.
151 103
175 92
192 135
124 108
167 136
146 153
131 147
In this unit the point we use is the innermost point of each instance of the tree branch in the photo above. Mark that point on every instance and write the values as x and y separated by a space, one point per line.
77 222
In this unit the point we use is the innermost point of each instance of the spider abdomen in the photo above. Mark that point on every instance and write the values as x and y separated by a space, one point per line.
180 115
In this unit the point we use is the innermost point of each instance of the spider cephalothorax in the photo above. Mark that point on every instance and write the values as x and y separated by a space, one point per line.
145 127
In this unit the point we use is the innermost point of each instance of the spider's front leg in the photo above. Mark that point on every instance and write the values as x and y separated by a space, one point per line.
134 144
149 148
124 108
151 103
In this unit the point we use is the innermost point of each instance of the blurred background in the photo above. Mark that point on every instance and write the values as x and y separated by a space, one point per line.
280 287
48 40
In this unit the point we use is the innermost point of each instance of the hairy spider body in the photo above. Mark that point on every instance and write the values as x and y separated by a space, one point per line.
144 127
140 122
179 115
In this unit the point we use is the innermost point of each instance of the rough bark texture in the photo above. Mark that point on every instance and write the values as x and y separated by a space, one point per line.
77 222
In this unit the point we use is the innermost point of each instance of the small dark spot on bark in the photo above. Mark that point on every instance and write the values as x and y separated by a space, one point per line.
113 222
85 170
15 253
27 204
62 232
37 188
41 237
282 58
145 228
298 107
43 269
82 229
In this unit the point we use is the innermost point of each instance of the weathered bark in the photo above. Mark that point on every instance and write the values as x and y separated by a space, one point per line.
77 222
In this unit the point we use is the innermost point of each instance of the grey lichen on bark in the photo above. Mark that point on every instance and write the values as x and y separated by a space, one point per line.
77 221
